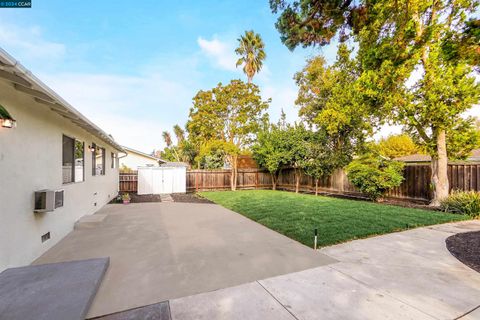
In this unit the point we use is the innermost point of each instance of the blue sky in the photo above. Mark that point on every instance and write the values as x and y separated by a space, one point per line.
133 67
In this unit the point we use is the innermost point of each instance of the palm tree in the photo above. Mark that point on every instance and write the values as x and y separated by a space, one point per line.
179 133
167 138
251 52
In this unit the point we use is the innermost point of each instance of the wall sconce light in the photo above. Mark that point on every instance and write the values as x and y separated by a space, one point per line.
91 148
6 120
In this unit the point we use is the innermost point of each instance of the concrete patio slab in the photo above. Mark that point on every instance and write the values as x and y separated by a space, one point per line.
458 227
386 249
60 291
324 293
444 294
248 301
162 251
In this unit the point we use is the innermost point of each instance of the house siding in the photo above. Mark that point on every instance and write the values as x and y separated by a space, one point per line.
134 160
31 160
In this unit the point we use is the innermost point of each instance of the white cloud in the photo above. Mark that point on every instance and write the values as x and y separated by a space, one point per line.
28 43
221 53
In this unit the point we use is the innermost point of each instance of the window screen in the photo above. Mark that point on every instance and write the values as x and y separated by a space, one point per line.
98 161
79 161
73 152
67 159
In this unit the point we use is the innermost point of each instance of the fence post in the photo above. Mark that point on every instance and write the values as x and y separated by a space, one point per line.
256 179
196 181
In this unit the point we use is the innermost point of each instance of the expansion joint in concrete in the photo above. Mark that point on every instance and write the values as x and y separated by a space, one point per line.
467 313
275 298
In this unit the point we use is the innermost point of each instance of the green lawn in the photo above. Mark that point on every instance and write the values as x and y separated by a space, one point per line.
337 220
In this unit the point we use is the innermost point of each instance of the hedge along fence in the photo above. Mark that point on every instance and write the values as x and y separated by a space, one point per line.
415 187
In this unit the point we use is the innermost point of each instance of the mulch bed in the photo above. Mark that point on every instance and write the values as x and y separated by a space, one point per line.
189 198
136 198
466 248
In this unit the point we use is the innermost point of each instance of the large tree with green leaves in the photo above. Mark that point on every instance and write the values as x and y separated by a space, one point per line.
416 58
328 99
228 116
251 50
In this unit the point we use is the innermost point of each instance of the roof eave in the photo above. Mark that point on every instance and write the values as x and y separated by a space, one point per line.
24 81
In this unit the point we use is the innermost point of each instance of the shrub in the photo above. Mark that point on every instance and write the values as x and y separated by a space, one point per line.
375 175
462 202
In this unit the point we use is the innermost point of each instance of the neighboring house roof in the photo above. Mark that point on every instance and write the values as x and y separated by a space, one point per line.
25 82
174 164
143 154
475 156
415 158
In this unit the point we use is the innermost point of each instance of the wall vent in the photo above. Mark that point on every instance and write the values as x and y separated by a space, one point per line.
46 236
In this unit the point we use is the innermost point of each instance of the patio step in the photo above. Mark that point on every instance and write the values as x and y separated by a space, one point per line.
55 291
166 198
89 221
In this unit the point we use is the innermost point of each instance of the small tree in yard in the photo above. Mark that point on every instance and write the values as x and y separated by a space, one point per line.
297 150
321 157
270 151
375 175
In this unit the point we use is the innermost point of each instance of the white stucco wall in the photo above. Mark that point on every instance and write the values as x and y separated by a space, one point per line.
134 160
30 160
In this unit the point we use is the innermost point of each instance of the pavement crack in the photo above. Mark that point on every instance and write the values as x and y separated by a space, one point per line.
284 307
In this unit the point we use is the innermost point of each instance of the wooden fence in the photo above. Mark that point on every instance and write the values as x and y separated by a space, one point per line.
415 187
128 181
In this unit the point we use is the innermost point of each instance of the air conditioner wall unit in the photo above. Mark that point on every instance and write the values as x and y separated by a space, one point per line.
44 200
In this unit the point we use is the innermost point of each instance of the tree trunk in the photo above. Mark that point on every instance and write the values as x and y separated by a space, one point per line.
233 176
297 180
316 187
274 181
439 170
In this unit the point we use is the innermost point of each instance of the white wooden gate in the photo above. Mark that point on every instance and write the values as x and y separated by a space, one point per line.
160 180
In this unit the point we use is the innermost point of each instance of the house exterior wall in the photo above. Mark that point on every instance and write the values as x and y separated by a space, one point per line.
134 160
31 160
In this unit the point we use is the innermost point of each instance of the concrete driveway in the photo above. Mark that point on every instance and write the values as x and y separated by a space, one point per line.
162 251
405 275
